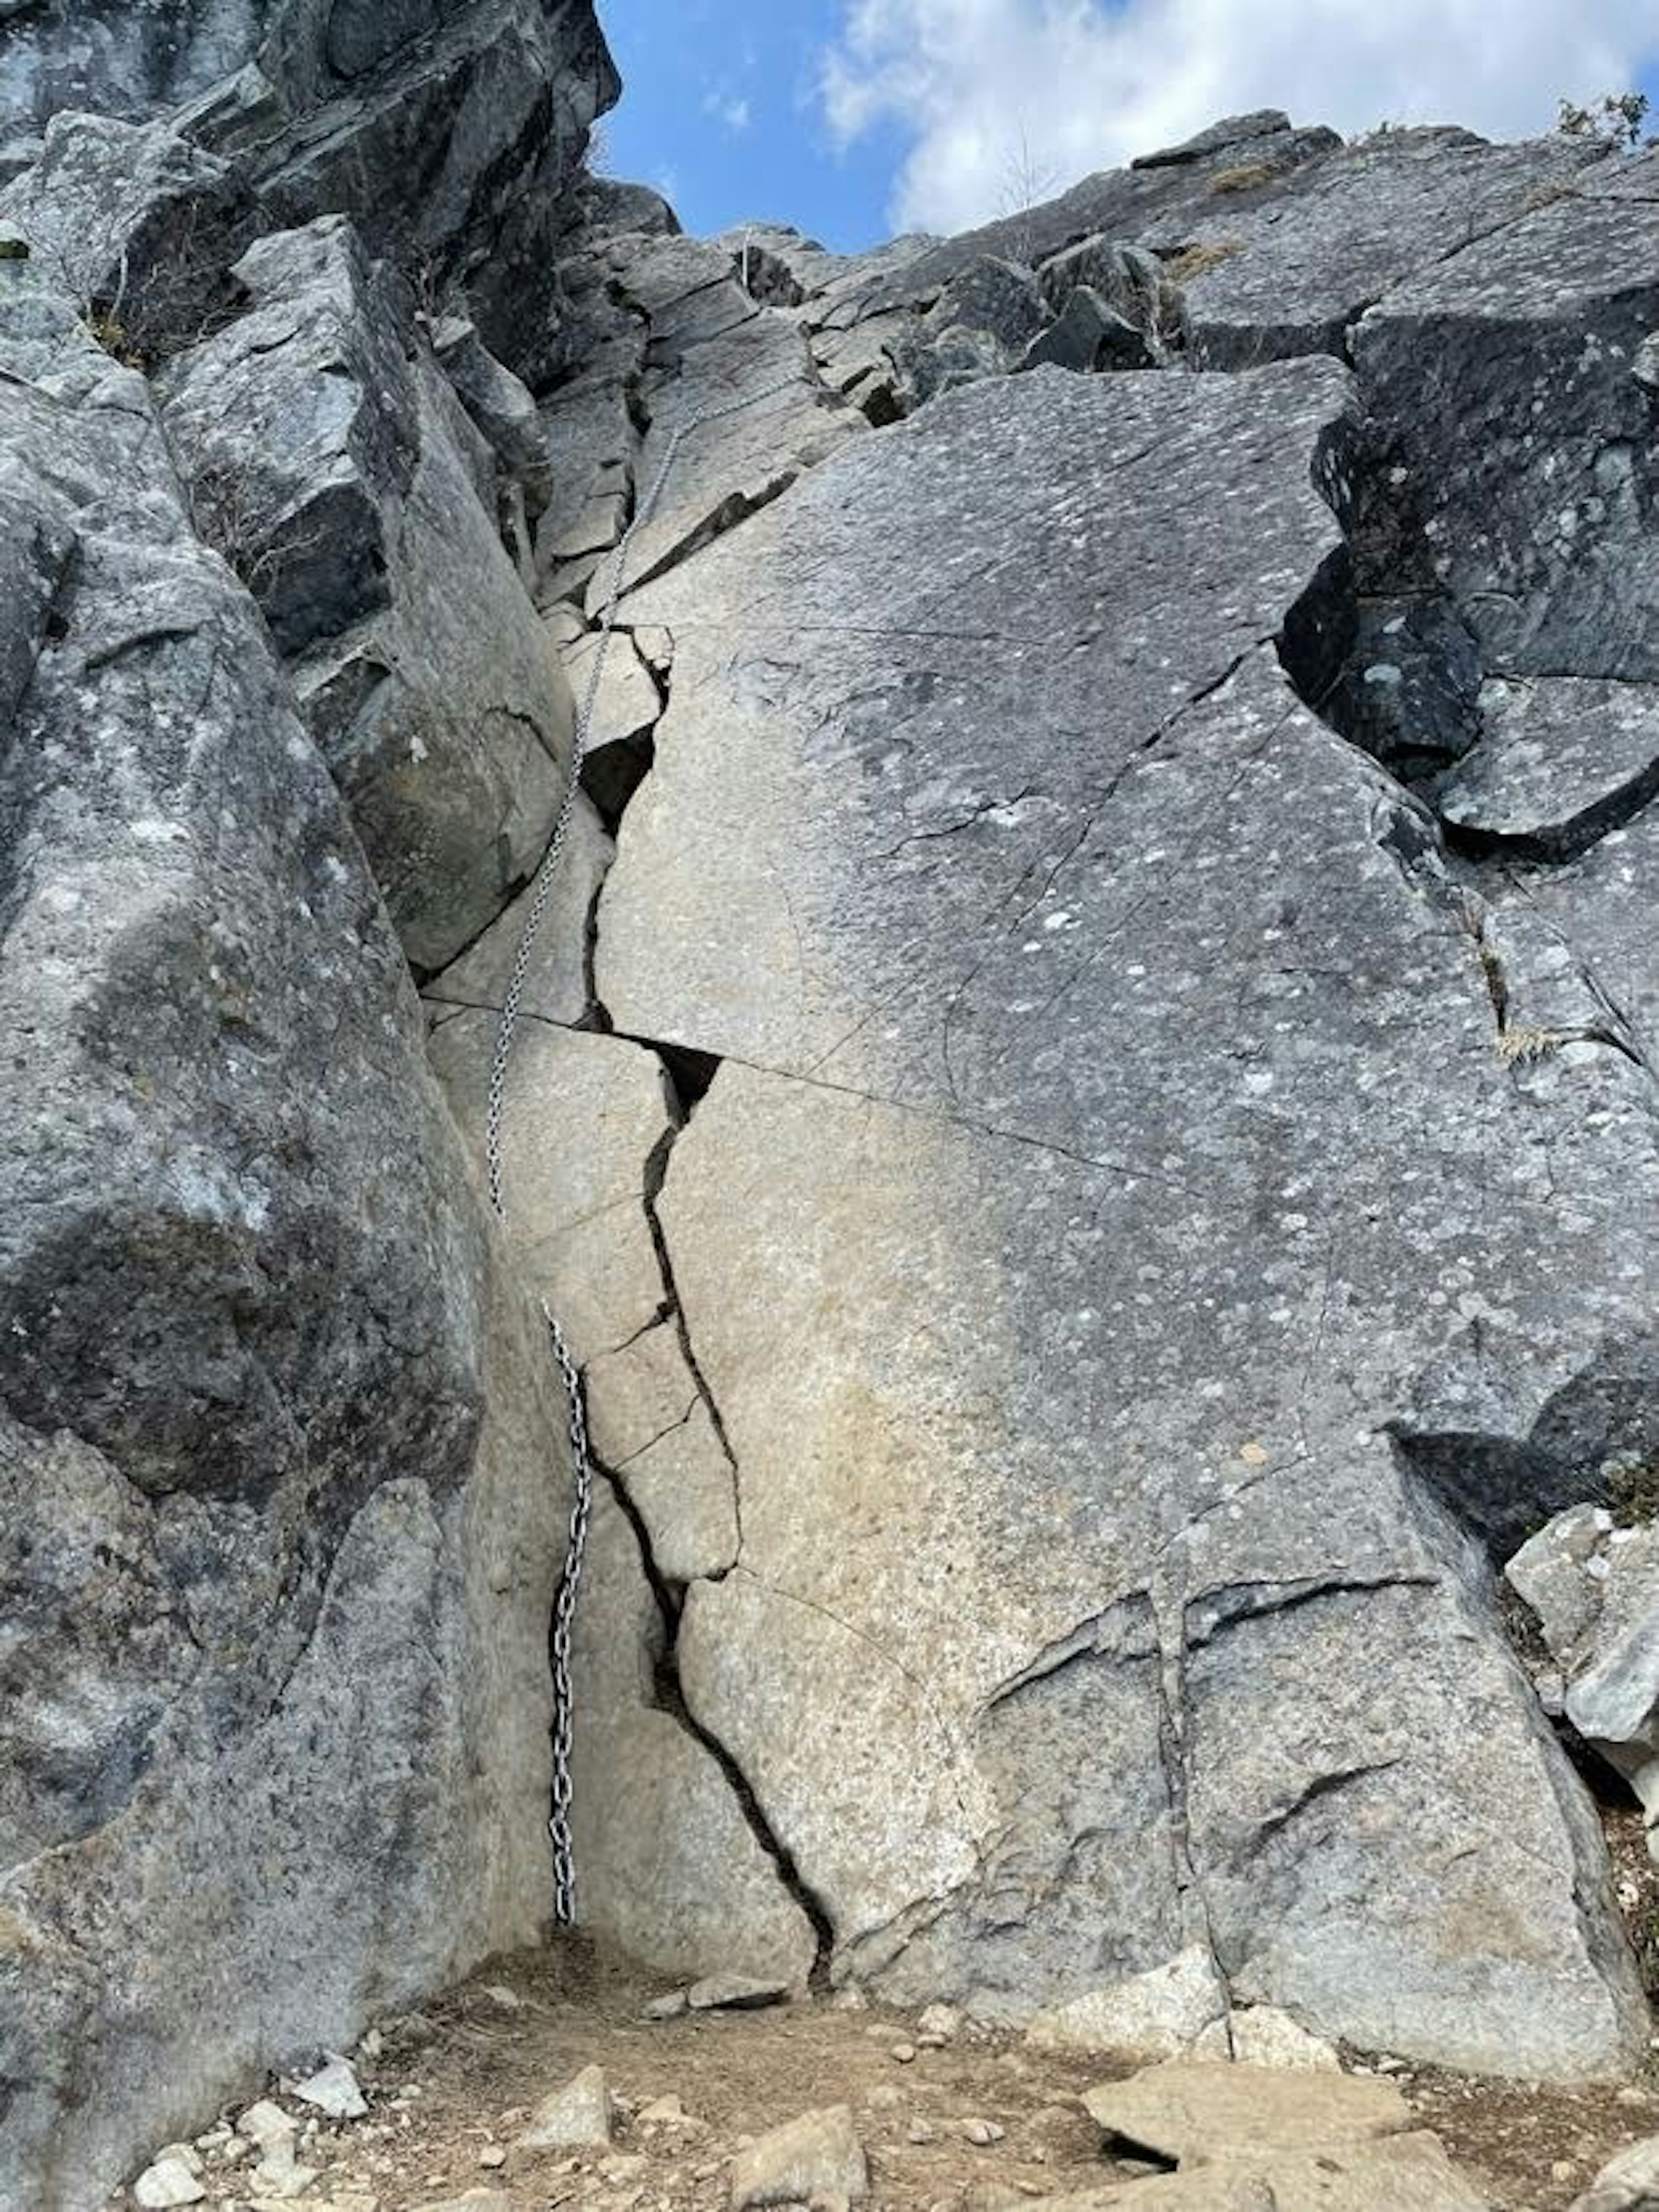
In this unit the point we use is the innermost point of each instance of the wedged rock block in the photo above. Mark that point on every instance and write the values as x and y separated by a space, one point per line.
1110 1231
281 1474
1507 377
453 131
136 225
330 462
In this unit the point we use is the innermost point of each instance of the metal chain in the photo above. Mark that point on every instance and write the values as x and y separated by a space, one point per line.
564 1603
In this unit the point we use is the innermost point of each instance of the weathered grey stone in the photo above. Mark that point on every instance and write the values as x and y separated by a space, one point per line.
1562 761
1128 278
928 364
591 442
1194 2113
818 2155
1410 690
576 2116
1407 2172
1604 934
333 2090
1262 2140
282 1454
1262 2035
995 296
1594 1590
1161 2014
1088 335
971 904
1292 265
168 2182
576 1205
1145 205
333 474
613 204
735 1993
1550 1572
500 405
671 1870
107 56
1218 138
780 267
1503 375
627 708
557 984
453 133
138 227
653 1429
719 479
1628 2183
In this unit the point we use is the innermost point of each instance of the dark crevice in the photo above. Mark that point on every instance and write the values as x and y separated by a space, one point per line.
597 1014
668 1695
1321 1787
1170 1678
1242 1601
736 507
613 773
691 1073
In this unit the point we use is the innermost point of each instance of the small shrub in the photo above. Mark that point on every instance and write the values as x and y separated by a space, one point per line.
1615 119
1247 177
1632 1489
109 331
1197 260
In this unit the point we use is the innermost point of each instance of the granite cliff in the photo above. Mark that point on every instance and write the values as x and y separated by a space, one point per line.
1086 1101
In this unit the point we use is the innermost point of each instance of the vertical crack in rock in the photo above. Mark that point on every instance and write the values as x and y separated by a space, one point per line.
670 1699
656 1175
1168 1604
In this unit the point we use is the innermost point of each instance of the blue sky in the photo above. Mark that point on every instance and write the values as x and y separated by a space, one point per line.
854 119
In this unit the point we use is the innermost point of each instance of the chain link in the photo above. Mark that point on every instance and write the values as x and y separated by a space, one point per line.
564 1602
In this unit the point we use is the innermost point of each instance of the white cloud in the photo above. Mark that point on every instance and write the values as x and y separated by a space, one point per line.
730 111
1084 84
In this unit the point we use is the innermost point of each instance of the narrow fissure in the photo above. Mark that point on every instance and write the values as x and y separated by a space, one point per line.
656 1176
668 1695
1170 1676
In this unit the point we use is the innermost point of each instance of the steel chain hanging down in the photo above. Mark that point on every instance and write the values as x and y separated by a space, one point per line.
564 1603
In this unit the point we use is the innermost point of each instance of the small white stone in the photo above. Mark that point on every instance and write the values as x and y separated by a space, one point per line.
264 2123
982 2133
333 2089
168 2183
577 2115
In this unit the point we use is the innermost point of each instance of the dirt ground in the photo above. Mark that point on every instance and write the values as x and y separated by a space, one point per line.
450 2088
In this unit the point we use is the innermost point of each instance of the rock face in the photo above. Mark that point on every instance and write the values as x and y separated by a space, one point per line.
342 478
278 1442
1103 934
1594 1591
988 1490
451 131
281 1449
1096 1217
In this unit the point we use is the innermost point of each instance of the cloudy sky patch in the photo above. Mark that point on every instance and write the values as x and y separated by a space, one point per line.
853 119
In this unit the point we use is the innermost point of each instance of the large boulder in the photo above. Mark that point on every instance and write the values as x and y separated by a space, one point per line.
453 131
1115 1272
279 1448
136 225
1503 382
330 461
